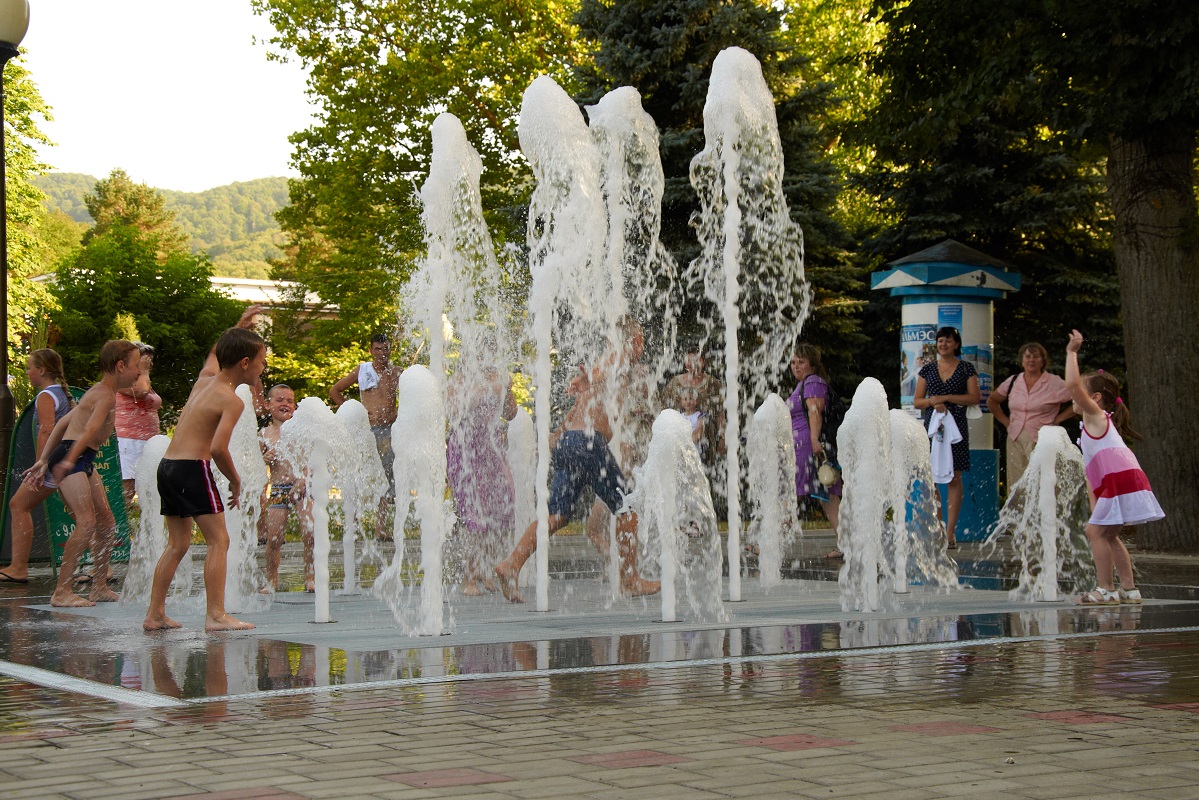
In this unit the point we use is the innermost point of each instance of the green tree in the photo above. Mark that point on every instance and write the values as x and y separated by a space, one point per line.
60 236
27 301
665 50
1122 79
381 73
119 272
117 200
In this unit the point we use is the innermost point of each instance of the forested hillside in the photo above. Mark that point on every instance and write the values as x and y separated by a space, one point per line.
234 224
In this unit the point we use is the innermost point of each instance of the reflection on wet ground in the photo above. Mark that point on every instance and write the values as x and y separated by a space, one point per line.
288 655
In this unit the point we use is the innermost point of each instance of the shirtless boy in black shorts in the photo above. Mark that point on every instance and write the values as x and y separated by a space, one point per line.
69 454
186 484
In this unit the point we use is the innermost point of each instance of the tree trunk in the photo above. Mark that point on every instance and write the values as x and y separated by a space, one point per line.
1151 186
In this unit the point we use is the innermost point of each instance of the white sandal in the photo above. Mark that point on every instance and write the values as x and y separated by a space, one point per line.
1100 597
1131 596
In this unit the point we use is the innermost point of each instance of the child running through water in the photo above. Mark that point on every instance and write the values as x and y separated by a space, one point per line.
69 454
1120 492
185 480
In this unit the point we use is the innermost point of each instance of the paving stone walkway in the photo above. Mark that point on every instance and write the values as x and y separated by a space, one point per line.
1115 715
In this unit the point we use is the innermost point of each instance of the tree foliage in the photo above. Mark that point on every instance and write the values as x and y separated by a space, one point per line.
381 73
117 200
122 272
27 301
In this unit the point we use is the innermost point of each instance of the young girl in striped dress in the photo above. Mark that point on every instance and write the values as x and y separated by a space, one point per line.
1120 492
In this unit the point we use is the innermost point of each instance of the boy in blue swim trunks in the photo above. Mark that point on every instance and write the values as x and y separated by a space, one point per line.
580 458
69 455
186 485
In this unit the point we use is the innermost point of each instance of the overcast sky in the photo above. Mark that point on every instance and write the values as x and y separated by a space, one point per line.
175 92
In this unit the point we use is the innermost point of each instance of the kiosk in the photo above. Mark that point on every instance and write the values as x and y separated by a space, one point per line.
952 284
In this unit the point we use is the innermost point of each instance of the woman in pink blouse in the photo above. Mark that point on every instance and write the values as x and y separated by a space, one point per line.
1036 398
136 421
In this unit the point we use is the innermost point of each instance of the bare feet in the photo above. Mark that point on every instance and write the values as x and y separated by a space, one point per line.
224 622
490 586
159 623
639 587
100 593
471 588
65 599
508 584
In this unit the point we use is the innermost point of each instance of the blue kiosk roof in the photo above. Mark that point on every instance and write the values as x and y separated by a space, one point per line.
948 268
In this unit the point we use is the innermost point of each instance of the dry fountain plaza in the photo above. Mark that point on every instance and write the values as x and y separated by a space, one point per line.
958 694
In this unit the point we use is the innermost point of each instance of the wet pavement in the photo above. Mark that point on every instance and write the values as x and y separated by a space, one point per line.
959 694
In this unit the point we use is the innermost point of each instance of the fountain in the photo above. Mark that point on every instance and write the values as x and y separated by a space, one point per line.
420 479
918 535
361 489
151 538
751 253
1046 515
771 451
243 579
315 440
864 450
566 233
675 513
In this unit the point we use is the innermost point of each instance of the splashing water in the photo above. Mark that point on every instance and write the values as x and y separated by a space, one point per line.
243 578
675 510
420 479
632 181
362 486
522 465
864 450
151 538
566 233
459 282
918 535
316 441
771 451
751 264
1046 514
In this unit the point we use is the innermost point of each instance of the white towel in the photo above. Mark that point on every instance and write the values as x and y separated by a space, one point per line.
367 377
943 431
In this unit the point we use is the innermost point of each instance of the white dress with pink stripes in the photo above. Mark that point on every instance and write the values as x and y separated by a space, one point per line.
1122 492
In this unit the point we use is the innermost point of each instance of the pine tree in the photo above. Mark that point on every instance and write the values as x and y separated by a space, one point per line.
665 50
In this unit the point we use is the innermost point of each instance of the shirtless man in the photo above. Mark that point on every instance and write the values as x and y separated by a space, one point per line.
287 489
186 485
377 382
69 455
580 457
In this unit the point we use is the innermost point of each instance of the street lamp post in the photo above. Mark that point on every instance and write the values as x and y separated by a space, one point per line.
14 22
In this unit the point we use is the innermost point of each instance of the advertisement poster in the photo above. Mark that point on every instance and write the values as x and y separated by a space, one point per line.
950 317
982 356
918 346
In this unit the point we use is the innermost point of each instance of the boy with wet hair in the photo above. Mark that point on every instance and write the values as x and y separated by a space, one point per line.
580 458
185 480
69 454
